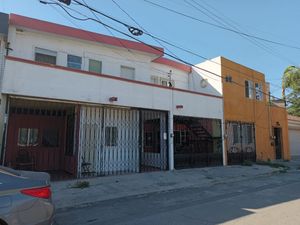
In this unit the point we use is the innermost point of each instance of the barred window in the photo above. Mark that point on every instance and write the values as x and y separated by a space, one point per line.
28 137
236 134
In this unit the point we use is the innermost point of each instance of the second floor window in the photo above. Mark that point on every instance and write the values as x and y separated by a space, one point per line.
95 66
249 89
45 56
162 81
74 62
258 92
128 72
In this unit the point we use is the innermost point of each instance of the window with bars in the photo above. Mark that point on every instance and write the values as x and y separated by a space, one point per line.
162 81
28 137
236 133
45 56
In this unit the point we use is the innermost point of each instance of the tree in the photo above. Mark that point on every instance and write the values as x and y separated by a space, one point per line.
291 89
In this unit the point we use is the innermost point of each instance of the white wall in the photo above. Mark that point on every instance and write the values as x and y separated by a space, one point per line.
39 81
200 72
24 43
294 137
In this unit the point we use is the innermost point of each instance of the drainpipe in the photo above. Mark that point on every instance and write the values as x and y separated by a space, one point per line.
171 139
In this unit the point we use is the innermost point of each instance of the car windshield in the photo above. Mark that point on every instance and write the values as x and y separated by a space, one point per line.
9 171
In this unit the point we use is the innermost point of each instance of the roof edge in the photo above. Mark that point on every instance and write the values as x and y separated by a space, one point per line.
172 63
58 29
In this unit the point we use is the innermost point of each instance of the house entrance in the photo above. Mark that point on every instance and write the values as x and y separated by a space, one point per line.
38 136
278 142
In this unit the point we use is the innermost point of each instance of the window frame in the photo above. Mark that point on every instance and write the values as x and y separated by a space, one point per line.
94 71
249 89
259 91
45 52
125 76
29 142
71 64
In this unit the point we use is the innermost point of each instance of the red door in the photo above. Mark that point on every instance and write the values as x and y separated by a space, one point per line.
36 139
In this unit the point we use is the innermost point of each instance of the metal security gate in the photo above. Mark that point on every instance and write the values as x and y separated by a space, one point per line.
109 141
121 140
197 142
240 142
154 141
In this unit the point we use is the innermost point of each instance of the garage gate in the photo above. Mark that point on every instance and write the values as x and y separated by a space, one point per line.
121 140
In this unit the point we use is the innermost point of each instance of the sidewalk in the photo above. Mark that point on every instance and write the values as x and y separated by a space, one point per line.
112 187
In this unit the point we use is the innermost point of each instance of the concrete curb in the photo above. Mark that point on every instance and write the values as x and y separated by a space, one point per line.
137 185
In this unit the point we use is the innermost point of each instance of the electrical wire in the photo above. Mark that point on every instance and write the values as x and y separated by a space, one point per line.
161 51
222 27
121 56
159 40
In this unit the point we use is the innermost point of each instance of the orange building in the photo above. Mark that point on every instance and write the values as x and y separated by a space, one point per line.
255 128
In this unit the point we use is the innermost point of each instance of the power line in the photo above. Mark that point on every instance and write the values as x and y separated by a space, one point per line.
223 21
135 61
228 25
159 50
222 27
159 40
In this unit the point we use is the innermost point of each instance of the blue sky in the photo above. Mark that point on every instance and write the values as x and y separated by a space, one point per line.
274 20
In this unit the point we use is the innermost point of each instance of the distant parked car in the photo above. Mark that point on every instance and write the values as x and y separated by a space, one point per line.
25 198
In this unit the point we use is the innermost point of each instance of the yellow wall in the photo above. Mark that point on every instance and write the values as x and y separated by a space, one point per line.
237 107
279 119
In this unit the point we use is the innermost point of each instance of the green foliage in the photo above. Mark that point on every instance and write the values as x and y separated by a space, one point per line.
81 184
272 164
247 163
291 87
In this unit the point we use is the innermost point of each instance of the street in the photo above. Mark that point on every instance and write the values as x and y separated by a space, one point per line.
273 199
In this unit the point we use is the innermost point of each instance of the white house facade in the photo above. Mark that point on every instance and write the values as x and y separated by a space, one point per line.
83 103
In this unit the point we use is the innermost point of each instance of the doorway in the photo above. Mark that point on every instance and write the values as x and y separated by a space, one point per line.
278 142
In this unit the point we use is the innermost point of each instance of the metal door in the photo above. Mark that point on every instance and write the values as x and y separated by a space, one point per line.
109 140
278 143
240 142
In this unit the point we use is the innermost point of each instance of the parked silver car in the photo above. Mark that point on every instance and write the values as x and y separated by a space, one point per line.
25 198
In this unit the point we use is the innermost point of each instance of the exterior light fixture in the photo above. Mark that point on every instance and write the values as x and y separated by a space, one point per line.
179 106
113 99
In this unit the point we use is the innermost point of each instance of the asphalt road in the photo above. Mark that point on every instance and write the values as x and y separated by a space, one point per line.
262 201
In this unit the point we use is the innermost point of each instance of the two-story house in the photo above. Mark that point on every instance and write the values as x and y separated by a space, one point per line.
74 102
255 128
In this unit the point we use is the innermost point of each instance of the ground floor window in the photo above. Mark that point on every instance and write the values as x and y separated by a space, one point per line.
28 137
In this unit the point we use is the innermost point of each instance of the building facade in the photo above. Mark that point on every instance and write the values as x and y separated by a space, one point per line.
255 128
80 103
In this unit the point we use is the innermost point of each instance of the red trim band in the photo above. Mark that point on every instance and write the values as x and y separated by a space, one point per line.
58 29
172 63
106 76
